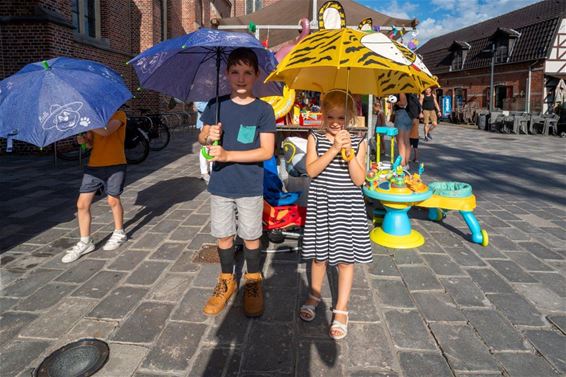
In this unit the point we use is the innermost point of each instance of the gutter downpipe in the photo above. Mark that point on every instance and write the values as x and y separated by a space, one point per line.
528 96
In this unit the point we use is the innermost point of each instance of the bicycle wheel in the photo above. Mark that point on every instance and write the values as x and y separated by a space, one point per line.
137 147
72 152
161 137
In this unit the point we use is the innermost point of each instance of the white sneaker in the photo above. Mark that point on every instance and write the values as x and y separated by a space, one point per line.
205 177
75 252
115 241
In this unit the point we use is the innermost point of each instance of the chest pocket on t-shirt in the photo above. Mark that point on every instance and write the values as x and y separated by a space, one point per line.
246 134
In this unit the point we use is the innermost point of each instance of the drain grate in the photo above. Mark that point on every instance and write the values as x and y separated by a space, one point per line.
208 253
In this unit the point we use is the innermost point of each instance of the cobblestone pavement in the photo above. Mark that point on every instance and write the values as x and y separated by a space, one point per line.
448 308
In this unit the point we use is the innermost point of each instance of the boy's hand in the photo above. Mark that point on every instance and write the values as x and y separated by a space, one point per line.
81 139
218 153
215 132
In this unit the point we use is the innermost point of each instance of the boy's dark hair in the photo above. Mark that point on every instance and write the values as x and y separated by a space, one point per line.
243 55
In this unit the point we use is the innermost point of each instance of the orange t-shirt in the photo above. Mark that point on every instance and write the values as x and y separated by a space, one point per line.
414 132
109 150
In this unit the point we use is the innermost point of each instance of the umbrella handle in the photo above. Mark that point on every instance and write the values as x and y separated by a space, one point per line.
204 151
347 155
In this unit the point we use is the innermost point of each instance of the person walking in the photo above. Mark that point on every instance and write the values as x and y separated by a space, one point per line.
430 109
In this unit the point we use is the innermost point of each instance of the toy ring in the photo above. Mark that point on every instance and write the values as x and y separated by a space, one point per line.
204 151
347 155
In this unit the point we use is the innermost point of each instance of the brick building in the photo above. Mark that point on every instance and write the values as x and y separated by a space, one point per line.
528 47
108 31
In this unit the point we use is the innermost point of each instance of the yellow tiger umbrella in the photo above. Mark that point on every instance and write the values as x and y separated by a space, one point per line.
350 59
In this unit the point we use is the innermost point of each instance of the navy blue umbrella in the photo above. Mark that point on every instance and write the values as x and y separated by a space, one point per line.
58 98
193 67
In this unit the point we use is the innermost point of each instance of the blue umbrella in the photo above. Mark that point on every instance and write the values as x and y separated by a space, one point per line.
58 98
193 67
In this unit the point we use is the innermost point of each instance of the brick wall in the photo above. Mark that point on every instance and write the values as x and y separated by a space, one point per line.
239 6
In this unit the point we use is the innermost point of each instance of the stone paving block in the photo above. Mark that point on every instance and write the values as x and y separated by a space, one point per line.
497 333
527 261
185 263
281 275
383 265
442 265
179 214
372 373
543 298
17 355
118 303
464 292
437 306
53 324
408 330
213 361
207 276
184 233
393 293
540 251
148 241
464 350
367 348
559 321
81 272
99 285
317 328
275 300
190 308
147 273
128 260
257 360
92 328
556 232
319 358
552 345
11 323
48 236
6 303
418 364
489 281
199 240
362 307
419 278
7 277
175 347
502 243
525 365
47 296
464 257
165 227
518 310
493 222
505 215
171 287
168 251
401 256
145 323
196 220
555 282
32 282
511 271
430 246
123 361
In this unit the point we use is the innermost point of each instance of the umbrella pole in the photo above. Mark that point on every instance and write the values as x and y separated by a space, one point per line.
217 83
55 154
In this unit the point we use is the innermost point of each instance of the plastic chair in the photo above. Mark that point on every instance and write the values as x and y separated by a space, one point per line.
521 123
495 120
536 118
550 123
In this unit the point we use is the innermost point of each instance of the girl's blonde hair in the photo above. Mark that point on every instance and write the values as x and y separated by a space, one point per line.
337 98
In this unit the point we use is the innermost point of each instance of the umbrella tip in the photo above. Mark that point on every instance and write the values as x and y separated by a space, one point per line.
139 89
184 46
45 65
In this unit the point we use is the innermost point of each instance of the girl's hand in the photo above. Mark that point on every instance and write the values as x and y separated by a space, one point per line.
215 132
218 153
344 139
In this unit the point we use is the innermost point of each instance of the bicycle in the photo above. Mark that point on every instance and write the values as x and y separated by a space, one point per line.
157 131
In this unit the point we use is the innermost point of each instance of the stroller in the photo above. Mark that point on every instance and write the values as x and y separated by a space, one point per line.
282 217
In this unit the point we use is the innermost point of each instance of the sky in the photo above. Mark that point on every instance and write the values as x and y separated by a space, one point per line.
438 17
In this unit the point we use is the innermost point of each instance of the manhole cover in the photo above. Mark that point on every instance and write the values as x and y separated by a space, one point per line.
208 253
82 358
502 138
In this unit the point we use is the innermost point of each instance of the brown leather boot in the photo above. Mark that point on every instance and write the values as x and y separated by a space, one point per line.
253 295
224 289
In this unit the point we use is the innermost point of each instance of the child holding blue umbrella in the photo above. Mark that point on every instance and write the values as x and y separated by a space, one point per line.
246 128
105 172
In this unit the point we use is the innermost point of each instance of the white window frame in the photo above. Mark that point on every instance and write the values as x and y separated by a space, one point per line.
253 6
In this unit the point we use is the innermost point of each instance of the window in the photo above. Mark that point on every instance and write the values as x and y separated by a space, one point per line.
502 51
163 18
457 61
86 17
253 5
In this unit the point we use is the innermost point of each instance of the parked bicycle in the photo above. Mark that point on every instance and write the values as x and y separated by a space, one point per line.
156 129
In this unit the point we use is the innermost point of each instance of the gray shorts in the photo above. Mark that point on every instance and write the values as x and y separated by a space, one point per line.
107 179
223 217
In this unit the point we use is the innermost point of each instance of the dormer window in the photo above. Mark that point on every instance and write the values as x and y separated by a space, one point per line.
459 53
504 40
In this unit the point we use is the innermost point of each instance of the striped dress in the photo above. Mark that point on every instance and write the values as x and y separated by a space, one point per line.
336 227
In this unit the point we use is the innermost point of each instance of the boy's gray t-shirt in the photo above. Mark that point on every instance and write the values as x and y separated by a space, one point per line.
241 126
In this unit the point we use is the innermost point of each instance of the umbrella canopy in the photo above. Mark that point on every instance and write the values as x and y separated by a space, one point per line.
193 67
349 59
58 98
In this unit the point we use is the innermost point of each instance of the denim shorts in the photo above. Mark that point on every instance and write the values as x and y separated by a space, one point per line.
403 121
107 179
223 221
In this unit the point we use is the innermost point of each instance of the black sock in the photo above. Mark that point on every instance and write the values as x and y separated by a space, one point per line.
226 260
252 260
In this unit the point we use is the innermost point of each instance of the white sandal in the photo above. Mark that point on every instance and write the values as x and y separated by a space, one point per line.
337 325
309 309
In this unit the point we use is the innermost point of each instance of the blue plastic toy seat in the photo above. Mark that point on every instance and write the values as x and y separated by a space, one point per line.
451 189
273 187
389 131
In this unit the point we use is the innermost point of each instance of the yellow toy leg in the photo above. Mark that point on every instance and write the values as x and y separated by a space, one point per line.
409 241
